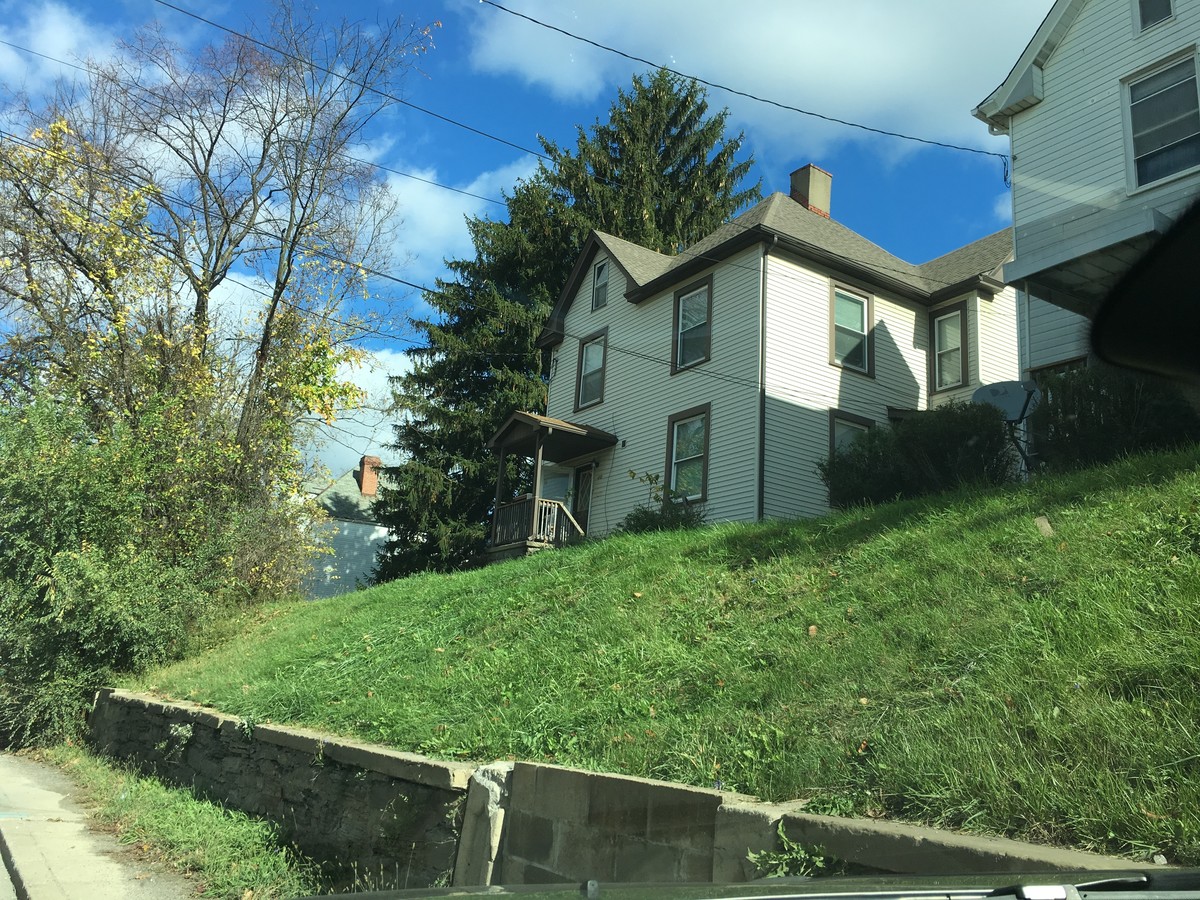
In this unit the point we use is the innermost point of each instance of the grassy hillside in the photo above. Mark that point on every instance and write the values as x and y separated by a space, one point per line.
941 661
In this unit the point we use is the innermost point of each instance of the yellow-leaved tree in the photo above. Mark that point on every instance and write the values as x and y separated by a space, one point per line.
183 263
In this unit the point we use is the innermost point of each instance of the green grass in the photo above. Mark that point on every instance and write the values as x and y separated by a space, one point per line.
226 854
937 661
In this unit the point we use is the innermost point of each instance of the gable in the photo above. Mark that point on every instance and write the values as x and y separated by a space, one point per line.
1023 86
637 264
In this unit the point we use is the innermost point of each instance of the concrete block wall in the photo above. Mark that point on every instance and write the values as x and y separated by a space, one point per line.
568 825
373 816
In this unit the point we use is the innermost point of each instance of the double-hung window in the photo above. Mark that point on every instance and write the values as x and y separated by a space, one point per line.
1164 122
851 331
590 379
600 285
949 357
1151 12
693 326
687 454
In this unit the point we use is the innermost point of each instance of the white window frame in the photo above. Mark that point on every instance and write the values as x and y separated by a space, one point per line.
700 291
868 367
1139 23
698 413
839 419
600 285
600 339
936 353
1128 83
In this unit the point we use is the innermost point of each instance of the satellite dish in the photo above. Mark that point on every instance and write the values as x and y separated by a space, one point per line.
1016 399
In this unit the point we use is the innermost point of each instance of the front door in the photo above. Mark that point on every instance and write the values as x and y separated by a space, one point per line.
581 496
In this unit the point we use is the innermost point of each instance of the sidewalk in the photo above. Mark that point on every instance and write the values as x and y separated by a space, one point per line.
49 852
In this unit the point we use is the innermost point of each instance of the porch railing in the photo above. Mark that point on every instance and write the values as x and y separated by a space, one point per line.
547 522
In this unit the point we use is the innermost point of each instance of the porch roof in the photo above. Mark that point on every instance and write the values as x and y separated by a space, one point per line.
560 440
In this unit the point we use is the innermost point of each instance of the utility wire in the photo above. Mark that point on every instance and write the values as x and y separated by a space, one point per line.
741 93
371 88
665 361
347 156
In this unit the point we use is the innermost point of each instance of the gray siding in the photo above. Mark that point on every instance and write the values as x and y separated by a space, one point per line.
354 546
1049 334
640 393
802 385
1071 184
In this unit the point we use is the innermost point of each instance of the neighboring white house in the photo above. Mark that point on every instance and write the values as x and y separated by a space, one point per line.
1103 117
353 537
730 370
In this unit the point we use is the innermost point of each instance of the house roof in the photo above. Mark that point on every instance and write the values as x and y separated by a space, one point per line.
341 498
560 439
780 220
1023 86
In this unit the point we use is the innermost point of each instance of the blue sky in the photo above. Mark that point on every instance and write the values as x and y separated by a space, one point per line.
911 66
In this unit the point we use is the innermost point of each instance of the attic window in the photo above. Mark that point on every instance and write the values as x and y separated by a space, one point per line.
600 285
1151 12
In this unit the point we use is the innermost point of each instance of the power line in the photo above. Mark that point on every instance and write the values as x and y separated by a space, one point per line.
607 182
741 93
361 84
347 156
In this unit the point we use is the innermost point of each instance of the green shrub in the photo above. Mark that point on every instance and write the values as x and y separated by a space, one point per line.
958 443
666 510
932 451
1096 414
869 470
118 544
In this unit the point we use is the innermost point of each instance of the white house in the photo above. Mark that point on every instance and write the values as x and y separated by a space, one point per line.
1103 117
730 370
352 536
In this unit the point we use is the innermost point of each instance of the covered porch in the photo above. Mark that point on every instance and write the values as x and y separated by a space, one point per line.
542 515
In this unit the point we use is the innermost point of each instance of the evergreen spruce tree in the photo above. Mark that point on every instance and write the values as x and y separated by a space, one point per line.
661 173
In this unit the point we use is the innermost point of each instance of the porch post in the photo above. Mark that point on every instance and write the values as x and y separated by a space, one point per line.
499 489
535 520
537 470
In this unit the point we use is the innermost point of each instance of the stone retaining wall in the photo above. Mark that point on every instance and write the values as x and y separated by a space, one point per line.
372 816
393 819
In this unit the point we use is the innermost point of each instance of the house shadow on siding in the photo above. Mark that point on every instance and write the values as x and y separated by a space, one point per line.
798 436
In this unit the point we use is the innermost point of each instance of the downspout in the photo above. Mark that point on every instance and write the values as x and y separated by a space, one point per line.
762 384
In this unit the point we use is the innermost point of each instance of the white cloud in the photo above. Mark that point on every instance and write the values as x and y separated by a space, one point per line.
1003 208
434 226
917 67
56 32
367 429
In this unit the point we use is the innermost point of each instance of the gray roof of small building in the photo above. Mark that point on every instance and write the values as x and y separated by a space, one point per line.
342 499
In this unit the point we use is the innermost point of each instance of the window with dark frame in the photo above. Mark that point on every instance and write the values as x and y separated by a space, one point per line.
600 285
590 389
851 331
948 356
1151 12
692 326
846 428
1164 120
687 454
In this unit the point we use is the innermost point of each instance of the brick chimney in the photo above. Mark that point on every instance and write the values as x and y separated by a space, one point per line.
368 475
811 187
